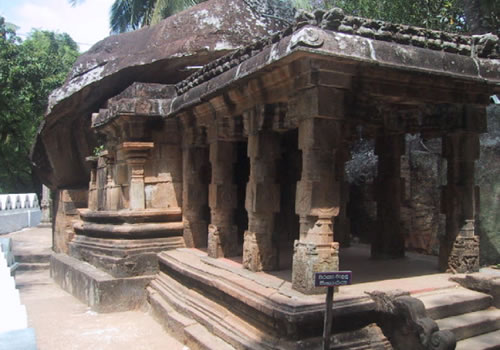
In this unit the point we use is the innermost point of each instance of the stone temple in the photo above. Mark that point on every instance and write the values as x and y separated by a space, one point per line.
189 157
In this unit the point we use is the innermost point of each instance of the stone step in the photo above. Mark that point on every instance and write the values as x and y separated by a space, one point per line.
454 301
33 266
198 337
32 258
486 341
472 324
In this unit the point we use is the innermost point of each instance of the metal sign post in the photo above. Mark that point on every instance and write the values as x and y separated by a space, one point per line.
330 280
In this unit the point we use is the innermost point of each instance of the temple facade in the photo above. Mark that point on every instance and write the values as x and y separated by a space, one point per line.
244 160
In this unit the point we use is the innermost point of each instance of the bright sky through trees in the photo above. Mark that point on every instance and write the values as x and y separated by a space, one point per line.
86 23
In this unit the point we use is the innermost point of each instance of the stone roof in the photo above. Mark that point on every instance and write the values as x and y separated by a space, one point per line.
482 46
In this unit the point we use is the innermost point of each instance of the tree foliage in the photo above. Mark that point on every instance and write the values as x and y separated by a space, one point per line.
29 71
126 15
447 15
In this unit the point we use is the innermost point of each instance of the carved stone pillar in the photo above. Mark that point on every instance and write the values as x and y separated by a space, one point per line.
317 203
136 154
222 233
195 195
262 201
459 248
389 239
112 195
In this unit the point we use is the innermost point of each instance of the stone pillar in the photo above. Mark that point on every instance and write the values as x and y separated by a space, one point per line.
195 195
112 191
136 154
222 233
262 201
317 203
45 206
389 238
459 248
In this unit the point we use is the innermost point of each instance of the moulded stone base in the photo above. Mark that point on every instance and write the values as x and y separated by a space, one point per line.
310 258
247 310
123 257
101 291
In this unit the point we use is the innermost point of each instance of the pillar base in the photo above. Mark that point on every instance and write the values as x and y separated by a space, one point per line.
214 247
259 254
309 258
464 256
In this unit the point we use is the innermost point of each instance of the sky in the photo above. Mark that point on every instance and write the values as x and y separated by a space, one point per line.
86 23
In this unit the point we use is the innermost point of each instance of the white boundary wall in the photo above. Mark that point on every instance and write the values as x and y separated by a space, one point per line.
18 211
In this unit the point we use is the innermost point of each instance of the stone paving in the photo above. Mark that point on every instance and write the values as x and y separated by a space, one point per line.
62 322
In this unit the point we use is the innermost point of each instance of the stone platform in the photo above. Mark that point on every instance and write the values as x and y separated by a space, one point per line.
125 243
96 288
261 310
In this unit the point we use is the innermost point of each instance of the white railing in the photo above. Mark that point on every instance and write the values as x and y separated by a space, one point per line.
19 201
18 210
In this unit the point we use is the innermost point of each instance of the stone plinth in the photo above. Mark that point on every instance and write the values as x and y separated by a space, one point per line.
125 243
96 288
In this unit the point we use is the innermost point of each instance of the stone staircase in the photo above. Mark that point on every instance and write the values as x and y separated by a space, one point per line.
470 315
30 262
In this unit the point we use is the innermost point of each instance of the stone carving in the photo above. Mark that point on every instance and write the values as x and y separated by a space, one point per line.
306 37
464 256
405 322
214 248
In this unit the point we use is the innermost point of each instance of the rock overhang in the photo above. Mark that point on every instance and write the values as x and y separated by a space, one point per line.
448 60
157 54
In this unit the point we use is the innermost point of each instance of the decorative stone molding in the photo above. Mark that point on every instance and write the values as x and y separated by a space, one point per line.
405 322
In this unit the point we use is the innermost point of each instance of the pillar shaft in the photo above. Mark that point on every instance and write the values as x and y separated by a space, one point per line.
317 202
389 238
262 201
459 248
222 232
195 195
136 154
136 189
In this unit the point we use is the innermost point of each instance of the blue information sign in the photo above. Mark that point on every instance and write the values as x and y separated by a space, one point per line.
332 279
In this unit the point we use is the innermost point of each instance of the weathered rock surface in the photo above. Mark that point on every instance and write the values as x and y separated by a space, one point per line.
157 54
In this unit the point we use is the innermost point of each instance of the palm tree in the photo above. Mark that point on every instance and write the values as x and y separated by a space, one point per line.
126 15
